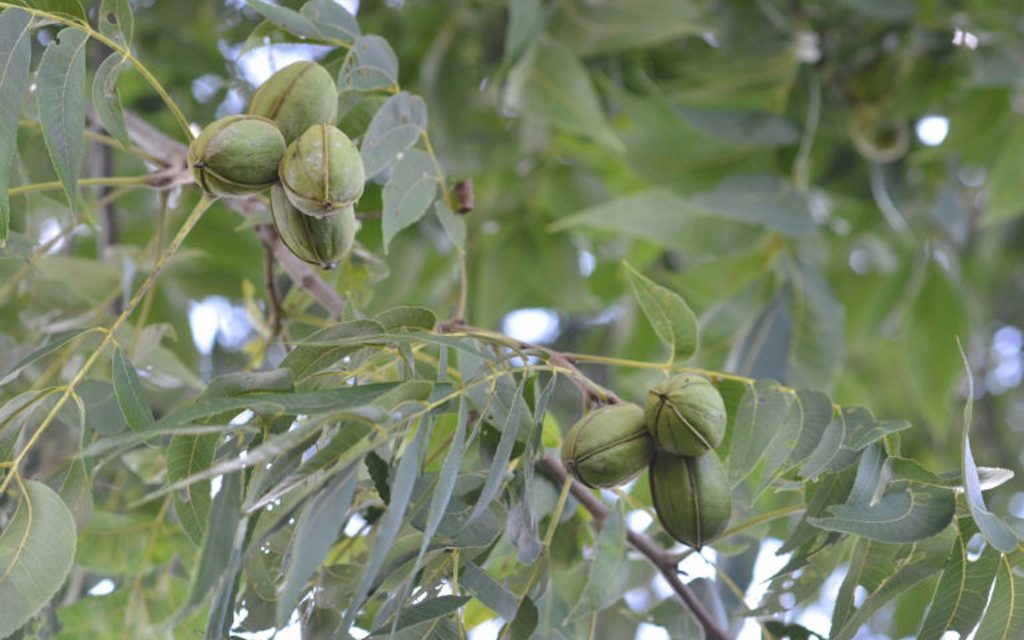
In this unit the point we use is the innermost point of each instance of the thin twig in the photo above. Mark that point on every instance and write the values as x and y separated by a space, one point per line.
661 560
274 310
304 276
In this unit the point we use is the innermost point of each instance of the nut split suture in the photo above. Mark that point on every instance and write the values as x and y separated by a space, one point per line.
287 141
674 435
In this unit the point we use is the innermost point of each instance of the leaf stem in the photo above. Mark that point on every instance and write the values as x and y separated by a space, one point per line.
112 181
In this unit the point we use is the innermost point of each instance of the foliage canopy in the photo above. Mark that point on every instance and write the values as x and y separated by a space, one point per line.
810 203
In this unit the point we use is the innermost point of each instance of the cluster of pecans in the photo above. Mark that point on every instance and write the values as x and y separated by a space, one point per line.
675 435
287 142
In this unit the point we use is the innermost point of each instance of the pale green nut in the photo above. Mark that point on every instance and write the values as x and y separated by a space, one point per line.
691 496
322 172
608 446
236 155
320 241
686 415
297 97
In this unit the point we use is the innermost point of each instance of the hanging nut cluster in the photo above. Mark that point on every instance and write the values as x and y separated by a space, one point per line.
683 420
287 142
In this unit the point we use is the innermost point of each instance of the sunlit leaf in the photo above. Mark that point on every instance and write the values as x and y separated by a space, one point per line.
408 193
962 591
396 127
884 571
996 531
669 315
1004 616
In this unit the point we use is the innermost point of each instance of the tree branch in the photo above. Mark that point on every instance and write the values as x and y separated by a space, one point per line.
661 560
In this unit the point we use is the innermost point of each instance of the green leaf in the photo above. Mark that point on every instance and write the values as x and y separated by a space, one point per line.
428 610
188 455
852 430
907 513
370 65
937 316
525 23
608 575
884 571
315 534
791 631
831 488
67 8
60 87
962 591
407 318
601 27
761 199
1004 180
763 408
76 492
487 590
502 454
408 193
551 85
332 20
995 530
15 58
219 544
106 101
454 225
669 315
55 342
130 396
525 622
749 128
391 522
323 348
285 18
37 548
1004 616
242 383
816 415
396 127
816 348
442 494
660 216
116 21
